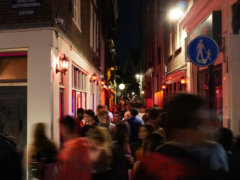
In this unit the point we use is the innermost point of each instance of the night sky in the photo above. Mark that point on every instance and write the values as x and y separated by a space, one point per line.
127 33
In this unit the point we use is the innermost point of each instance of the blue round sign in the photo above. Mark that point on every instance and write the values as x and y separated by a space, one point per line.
203 51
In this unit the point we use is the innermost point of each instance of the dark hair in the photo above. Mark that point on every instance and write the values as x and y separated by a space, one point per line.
69 123
152 141
39 132
134 111
121 133
182 111
148 127
146 117
224 136
154 113
100 106
90 113
80 110
42 144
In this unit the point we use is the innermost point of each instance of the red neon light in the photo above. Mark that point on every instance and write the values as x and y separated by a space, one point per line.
13 54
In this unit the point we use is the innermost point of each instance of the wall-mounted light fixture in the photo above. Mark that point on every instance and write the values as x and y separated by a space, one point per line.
102 82
63 65
93 78
164 86
183 80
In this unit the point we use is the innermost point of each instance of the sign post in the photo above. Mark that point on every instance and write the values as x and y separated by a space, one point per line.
203 51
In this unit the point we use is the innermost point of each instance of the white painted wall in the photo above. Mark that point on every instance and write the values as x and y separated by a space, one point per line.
234 84
39 99
44 48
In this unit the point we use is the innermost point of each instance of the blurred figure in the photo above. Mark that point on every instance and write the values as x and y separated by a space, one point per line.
100 141
110 114
144 131
121 158
99 108
146 118
10 155
142 111
134 124
224 136
152 141
74 160
189 155
155 120
126 115
41 153
104 120
117 118
89 117
79 122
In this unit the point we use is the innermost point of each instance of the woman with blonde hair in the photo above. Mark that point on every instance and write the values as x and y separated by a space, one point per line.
101 155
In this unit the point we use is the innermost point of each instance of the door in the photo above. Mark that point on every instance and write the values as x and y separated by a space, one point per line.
13 107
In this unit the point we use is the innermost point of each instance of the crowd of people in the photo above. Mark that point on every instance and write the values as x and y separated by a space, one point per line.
132 142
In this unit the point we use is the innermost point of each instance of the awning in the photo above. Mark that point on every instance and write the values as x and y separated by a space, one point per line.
174 77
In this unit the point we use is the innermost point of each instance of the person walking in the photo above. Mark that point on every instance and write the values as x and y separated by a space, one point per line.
188 154
74 161
10 155
41 153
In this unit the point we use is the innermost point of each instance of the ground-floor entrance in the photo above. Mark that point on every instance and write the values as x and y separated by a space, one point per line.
13 107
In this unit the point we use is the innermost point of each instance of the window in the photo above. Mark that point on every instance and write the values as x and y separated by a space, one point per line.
79 88
94 29
13 69
77 12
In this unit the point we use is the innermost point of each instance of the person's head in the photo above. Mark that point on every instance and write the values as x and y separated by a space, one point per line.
134 112
224 136
144 131
103 117
67 127
99 136
89 116
155 116
117 117
39 132
185 114
121 133
80 112
146 118
127 115
100 108
105 107
152 141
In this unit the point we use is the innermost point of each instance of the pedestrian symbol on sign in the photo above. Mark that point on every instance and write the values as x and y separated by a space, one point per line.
203 51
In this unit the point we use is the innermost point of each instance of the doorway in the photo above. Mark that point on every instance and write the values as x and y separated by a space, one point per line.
13 107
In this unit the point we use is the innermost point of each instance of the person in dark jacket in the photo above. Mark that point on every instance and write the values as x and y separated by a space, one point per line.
10 156
41 153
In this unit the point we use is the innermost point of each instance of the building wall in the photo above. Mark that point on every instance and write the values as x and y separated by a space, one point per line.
10 19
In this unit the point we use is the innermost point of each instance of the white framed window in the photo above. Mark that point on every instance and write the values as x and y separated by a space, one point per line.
77 13
79 89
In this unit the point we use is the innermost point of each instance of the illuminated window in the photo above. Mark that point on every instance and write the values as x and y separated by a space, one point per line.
79 88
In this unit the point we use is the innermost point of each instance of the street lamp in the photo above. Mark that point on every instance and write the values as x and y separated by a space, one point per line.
175 14
137 76
121 86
